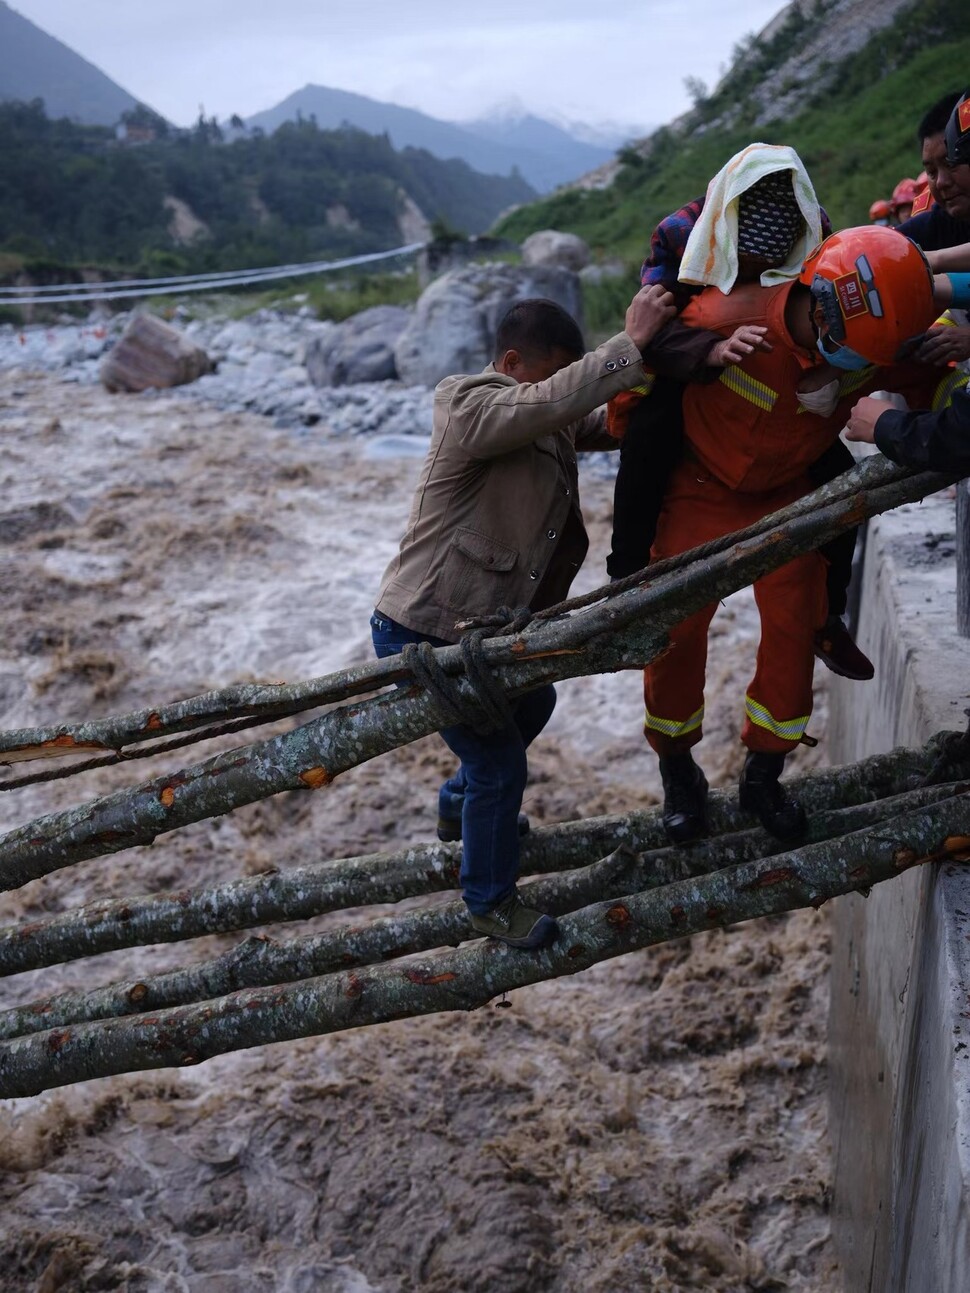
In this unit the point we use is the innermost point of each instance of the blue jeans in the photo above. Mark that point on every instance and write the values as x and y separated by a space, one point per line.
486 791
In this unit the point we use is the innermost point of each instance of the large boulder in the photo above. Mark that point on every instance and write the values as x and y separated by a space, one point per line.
550 247
453 326
361 349
150 353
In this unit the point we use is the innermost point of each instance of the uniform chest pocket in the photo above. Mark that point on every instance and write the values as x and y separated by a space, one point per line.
475 572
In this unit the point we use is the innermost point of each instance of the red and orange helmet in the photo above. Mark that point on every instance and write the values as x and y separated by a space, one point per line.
873 293
904 194
880 210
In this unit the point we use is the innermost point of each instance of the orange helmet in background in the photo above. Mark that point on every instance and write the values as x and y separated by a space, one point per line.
873 293
880 210
904 194
922 180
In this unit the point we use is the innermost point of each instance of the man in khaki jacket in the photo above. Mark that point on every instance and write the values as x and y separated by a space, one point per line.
496 521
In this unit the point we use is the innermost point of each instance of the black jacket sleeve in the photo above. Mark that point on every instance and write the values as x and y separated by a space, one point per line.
928 441
681 352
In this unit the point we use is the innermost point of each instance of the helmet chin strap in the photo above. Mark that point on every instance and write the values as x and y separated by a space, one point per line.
843 357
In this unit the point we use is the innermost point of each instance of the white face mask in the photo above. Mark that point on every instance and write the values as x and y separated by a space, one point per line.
821 401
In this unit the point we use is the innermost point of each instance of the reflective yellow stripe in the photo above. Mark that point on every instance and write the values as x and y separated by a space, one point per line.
749 388
671 727
791 730
951 383
946 321
646 386
849 382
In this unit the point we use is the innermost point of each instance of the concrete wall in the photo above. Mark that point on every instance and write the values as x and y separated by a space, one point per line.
900 1010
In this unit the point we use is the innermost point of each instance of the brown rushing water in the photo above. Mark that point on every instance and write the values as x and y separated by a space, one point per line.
657 1123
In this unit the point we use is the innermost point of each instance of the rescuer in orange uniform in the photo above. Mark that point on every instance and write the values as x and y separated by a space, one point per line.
749 438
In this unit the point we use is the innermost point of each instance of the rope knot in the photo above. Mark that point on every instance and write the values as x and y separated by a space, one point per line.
484 705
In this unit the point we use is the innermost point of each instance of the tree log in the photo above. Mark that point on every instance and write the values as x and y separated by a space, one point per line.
622 633
470 977
261 961
301 892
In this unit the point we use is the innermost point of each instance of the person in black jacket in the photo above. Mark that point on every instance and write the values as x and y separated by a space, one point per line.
923 439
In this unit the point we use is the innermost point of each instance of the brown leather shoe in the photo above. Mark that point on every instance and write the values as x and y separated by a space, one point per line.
836 649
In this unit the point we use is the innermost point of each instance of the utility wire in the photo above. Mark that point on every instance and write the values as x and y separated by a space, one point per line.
64 292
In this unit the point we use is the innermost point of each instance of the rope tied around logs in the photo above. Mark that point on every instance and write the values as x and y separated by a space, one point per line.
487 709
953 761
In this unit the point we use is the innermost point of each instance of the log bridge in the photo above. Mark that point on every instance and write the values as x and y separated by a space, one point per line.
612 881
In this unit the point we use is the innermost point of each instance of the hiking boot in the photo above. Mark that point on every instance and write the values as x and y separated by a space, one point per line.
685 799
760 792
449 828
836 649
512 922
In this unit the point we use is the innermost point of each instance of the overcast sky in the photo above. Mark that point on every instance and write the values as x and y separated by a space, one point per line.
588 62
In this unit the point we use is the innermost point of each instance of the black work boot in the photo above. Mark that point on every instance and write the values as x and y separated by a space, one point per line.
685 799
760 792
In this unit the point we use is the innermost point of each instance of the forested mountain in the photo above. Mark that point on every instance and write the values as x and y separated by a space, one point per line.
845 82
543 153
190 200
34 65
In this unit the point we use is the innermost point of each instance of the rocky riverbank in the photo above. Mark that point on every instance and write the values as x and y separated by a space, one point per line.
260 368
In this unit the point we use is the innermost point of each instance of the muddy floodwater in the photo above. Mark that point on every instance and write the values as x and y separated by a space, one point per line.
656 1123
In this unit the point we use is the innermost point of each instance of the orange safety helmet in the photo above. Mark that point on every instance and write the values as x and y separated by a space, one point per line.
880 210
904 193
922 180
873 292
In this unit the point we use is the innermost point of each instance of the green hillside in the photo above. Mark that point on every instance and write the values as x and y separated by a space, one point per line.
856 138
73 194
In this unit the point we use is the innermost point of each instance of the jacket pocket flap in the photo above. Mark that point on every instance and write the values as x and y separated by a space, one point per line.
485 551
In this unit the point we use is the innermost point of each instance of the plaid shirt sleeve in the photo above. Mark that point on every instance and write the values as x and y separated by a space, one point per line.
667 245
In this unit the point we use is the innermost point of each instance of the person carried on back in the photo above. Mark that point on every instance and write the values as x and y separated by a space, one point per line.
840 329
746 229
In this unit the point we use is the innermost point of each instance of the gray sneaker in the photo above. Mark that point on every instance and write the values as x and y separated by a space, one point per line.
512 922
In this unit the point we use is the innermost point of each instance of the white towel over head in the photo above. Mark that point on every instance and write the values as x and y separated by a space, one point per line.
711 255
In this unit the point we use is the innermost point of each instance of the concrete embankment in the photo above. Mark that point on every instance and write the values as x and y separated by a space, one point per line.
900 1005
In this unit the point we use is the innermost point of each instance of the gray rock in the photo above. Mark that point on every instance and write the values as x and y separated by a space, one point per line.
550 247
361 349
151 353
453 326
